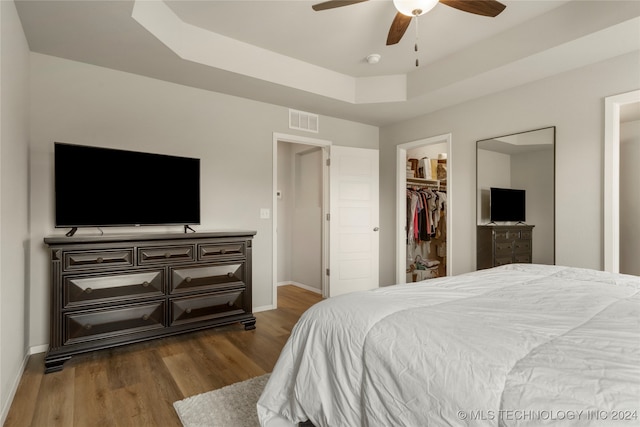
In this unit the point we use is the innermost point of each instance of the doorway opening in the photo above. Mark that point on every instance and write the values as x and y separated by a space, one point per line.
422 166
300 205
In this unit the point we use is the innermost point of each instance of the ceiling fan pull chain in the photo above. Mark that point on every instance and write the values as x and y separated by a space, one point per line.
416 45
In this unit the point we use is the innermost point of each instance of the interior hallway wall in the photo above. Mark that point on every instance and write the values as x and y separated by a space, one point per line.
300 215
306 256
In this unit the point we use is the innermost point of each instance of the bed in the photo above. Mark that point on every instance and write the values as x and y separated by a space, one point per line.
515 345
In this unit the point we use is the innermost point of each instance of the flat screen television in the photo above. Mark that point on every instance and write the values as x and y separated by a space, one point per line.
507 205
97 187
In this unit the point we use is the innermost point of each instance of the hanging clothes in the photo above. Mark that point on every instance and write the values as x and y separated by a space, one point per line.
425 209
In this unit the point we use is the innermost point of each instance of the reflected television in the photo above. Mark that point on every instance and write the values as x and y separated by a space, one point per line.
507 204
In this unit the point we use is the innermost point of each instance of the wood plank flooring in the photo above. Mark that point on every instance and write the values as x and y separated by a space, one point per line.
136 385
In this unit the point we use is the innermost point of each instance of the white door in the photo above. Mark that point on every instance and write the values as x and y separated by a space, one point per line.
353 236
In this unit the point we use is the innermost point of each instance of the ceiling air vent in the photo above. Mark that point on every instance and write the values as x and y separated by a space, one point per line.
303 121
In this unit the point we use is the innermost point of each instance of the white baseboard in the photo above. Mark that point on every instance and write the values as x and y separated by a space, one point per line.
38 349
6 405
301 285
262 308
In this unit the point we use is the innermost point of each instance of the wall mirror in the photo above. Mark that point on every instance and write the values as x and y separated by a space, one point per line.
520 227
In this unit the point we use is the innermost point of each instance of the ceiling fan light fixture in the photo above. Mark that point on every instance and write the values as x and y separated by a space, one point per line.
414 7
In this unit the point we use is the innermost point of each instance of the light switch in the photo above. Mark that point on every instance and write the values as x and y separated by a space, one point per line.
264 213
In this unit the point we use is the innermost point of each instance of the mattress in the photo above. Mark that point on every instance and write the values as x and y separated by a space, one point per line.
510 346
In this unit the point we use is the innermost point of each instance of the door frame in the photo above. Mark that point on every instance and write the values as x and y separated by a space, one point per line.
401 205
612 105
325 145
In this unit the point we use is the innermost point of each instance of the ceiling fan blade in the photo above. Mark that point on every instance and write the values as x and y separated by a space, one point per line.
398 28
331 4
490 8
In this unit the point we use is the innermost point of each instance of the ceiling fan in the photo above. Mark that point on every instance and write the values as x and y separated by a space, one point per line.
408 9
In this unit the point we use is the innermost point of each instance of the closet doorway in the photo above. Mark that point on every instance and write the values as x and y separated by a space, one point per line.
300 204
423 247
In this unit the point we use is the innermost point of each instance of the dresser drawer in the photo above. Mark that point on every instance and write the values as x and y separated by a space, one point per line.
513 234
100 324
522 258
526 234
503 261
195 309
520 246
82 291
204 278
503 248
501 235
210 251
102 259
165 254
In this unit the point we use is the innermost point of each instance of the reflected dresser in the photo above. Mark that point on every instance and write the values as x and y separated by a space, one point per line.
503 244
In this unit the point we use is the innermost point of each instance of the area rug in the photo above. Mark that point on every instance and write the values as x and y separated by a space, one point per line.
230 406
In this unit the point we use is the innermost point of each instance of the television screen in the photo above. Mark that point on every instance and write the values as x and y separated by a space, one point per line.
107 187
507 204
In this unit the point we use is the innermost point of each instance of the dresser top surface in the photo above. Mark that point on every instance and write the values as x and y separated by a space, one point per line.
146 237
506 225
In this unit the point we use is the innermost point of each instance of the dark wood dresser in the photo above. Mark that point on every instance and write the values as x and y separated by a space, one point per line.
503 244
110 290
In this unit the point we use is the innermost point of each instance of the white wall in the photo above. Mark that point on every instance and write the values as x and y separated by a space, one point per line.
630 197
306 245
84 104
495 171
14 210
299 214
572 101
533 172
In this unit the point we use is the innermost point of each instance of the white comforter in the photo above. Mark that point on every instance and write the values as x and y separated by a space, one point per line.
511 346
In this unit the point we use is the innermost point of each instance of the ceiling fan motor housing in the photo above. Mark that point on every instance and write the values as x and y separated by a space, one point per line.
414 7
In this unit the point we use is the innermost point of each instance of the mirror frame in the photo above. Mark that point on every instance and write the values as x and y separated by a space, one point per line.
478 214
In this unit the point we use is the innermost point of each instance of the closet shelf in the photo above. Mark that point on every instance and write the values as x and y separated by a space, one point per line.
430 183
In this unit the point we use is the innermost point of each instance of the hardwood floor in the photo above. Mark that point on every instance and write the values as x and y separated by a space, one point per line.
136 385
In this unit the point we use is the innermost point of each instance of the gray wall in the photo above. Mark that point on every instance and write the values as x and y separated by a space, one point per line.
533 172
14 213
572 101
84 104
494 171
299 215
306 244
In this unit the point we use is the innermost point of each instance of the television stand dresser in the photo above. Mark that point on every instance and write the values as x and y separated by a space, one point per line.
503 244
113 290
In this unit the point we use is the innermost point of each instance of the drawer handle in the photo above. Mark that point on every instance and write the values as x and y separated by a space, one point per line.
188 280
145 284
167 255
145 317
223 251
87 326
188 310
230 303
230 274
99 260
88 290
